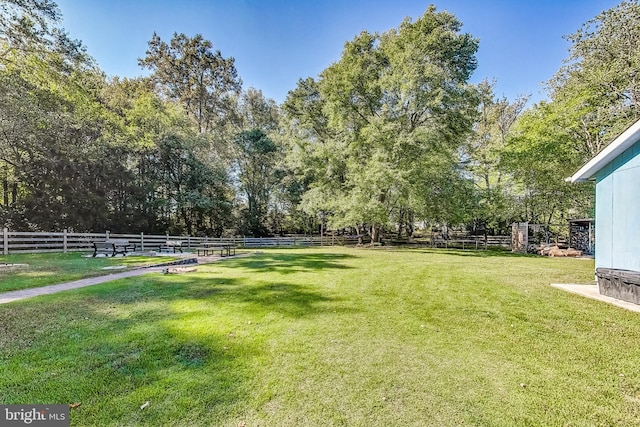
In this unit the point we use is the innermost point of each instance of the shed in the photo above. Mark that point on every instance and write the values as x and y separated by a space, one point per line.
582 235
616 172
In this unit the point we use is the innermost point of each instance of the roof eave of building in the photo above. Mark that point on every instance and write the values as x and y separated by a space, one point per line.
625 140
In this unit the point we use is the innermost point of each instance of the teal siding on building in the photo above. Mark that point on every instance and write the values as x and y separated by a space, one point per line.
617 212
604 224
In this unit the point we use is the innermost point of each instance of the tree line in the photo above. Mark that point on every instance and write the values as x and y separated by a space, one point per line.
391 135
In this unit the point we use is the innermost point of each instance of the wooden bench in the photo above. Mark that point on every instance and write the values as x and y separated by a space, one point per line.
172 245
113 247
225 250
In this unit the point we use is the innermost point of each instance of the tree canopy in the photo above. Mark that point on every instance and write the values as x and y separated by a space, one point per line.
390 136
593 98
379 131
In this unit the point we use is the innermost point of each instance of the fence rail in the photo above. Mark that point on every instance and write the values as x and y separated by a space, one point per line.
32 242
457 241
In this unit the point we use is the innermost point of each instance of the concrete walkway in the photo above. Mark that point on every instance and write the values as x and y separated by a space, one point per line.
8 297
591 291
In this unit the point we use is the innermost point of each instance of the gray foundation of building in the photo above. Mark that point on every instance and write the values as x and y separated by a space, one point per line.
620 284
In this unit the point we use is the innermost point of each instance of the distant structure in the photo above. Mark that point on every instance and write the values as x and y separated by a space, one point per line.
616 171
582 235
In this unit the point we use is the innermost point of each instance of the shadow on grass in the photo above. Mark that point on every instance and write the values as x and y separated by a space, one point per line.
257 298
115 362
464 252
186 343
292 263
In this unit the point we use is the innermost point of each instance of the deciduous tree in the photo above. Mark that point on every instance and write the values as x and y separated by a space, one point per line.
593 98
382 121
494 188
188 70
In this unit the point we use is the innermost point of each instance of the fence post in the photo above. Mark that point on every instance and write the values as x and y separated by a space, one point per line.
5 241
107 234
64 241
142 241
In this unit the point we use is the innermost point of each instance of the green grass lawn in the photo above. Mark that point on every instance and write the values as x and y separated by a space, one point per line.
326 337
53 268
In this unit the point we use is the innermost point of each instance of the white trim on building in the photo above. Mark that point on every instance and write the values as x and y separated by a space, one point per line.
613 150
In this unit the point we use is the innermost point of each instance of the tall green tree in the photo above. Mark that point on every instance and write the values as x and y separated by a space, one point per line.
196 192
174 186
312 157
255 159
83 153
268 192
32 28
598 87
539 155
51 122
593 98
494 189
610 38
189 71
255 111
55 147
380 123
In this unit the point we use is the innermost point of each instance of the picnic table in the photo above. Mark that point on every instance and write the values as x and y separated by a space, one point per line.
172 245
113 247
211 248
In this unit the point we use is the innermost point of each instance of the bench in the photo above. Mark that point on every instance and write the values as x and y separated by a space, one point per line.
231 248
113 247
225 250
172 245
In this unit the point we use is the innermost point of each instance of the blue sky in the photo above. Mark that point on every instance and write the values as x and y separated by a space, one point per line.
277 42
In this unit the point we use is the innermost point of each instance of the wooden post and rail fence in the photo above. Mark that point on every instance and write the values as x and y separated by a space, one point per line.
65 241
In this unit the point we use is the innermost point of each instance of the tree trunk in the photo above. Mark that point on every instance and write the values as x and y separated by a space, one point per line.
375 233
403 223
5 192
187 221
14 193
